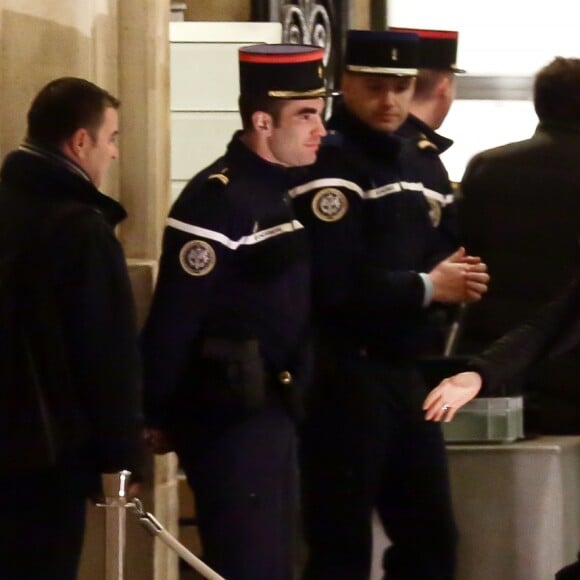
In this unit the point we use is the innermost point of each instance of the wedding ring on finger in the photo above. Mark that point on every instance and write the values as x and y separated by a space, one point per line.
445 407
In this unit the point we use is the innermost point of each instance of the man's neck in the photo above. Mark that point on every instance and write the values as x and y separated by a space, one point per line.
424 111
56 155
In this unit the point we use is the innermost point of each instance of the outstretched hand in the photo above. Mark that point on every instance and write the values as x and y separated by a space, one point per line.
450 395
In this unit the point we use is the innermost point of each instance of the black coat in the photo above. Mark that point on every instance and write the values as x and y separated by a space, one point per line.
520 211
552 331
70 372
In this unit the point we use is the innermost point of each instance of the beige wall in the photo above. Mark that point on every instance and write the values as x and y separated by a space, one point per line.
240 10
359 13
143 65
43 40
222 10
121 45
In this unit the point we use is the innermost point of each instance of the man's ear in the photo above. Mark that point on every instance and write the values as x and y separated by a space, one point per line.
262 122
444 85
77 143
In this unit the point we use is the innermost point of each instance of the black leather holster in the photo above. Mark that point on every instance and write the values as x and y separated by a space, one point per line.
234 370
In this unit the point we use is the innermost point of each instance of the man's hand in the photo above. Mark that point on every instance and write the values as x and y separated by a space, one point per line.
157 440
459 278
133 489
450 395
476 278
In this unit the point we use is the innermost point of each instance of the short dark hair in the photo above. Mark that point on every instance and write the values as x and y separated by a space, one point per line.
427 80
557 90
65 105
249 104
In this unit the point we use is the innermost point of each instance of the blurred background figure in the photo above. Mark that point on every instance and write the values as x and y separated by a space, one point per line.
520 211
422 146
432 99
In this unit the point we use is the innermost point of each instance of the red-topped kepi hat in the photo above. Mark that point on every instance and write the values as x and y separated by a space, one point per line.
437 48
282 71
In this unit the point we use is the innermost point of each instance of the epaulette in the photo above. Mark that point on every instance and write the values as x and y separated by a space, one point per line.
424 143
220 176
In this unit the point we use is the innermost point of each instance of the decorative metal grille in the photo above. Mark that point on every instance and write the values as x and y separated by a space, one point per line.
307 22
317 22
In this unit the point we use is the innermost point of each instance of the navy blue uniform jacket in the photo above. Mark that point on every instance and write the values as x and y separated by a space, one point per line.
234 266
422 147
371 236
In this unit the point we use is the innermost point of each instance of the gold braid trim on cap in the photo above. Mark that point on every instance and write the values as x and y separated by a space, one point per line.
293 94
379 70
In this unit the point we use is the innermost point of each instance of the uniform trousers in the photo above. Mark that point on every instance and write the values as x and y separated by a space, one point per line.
365 446
42 521
243 473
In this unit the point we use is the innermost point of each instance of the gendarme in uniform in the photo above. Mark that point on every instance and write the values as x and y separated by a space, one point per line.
224 345
423 145
365 443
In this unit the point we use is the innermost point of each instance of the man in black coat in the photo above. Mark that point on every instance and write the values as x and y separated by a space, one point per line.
69 366
551 332
520 211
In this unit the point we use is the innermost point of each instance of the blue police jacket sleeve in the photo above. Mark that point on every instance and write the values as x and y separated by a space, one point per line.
192 262
390 291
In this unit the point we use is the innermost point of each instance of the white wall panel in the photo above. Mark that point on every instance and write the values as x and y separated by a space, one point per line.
234 32
176 188
477 125
208 78
498 37
205 88
197 139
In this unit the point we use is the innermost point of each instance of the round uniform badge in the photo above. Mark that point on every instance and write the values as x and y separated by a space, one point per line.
329 204
434 211
197 258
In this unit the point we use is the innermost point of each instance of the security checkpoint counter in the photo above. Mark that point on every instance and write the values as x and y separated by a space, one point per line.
517 507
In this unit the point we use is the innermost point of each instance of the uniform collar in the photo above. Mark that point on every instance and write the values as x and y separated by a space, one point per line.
415 128
374 143
242 155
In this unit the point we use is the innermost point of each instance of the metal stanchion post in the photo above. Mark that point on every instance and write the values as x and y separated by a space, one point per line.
115 490
116 504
